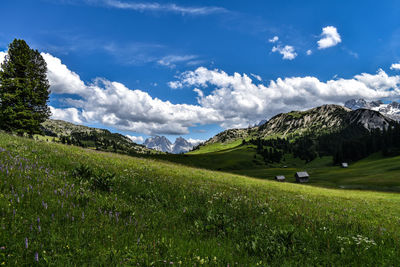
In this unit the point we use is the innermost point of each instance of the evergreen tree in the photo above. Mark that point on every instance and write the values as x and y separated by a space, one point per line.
24 89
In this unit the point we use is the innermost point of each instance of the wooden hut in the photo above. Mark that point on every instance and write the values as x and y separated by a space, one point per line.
302 177
280 178
345 165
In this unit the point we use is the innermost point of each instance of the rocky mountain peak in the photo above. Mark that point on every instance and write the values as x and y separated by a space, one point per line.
391 110
162 143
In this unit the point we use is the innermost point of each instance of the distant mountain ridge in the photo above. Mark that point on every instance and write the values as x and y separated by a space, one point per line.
391 110
315 121
101 139
161 143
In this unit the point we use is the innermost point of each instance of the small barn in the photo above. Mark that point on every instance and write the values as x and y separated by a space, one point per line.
345 165
302 177
280 178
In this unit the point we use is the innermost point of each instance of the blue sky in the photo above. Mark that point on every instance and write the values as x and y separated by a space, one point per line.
181 58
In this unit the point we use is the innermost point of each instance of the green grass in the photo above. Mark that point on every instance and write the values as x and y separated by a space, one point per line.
372 173
216 147
163 214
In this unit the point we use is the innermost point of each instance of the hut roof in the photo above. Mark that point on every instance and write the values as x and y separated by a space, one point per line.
302 174
280 177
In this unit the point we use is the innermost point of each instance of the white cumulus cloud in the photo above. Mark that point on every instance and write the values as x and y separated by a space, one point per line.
62 80
309 52
136 139
287 51
230 100
274 39
330 37
2 57
242 102
195 142
66 114
395 66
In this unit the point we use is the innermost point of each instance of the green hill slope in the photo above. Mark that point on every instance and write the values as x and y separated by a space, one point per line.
64 205
323 120
372 173
100 139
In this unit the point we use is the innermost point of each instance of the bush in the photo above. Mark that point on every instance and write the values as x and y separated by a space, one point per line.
97 180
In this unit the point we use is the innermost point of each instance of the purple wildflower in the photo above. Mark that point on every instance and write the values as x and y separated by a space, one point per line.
36 256
26 242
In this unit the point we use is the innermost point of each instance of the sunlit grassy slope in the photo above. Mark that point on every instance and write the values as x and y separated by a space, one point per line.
215 147
161 214
372 173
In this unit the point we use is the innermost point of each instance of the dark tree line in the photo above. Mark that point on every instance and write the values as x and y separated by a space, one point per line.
386 141
103 141
350 144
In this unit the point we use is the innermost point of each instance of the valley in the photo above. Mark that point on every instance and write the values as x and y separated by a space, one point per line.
65 204
163 133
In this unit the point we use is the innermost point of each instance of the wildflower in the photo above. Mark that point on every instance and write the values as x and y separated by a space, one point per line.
26 242
36 256
39 228
83 215
38 220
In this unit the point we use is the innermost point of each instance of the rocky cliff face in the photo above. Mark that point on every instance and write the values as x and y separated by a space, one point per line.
316 120
369 119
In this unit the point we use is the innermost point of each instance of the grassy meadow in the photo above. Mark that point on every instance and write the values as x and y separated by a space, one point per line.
63 205
372 173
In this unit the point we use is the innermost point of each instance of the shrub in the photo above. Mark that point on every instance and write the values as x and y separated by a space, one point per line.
98 180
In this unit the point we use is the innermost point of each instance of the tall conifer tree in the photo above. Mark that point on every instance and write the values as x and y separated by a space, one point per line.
24 89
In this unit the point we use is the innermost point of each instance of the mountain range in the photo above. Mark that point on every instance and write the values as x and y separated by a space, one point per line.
316 121
161 143
391 110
